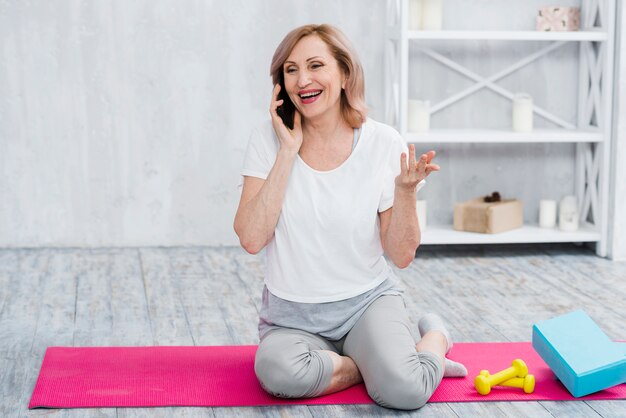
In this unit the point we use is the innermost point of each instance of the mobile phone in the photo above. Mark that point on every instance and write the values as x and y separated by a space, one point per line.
287 110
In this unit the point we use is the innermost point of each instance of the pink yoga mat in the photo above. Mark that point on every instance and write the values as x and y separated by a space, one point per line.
73 377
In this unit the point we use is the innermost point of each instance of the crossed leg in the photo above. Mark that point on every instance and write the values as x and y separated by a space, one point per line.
395 373
379 350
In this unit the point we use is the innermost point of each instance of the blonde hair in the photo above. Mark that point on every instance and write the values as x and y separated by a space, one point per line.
353 108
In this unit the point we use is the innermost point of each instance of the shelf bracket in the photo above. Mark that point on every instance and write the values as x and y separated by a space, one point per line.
591 198
482 82
592 91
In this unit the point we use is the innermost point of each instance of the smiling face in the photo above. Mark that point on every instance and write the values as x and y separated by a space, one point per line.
313 78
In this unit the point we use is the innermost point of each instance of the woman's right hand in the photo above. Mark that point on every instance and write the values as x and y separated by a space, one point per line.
290 139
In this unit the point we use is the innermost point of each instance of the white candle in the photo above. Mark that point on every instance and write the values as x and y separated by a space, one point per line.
419 115
568 214
415 14
421 213
432 14
522 113
547 213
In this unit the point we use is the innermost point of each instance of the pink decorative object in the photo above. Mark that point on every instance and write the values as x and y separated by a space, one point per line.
558 19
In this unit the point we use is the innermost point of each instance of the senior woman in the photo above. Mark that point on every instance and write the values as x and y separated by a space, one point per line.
328 192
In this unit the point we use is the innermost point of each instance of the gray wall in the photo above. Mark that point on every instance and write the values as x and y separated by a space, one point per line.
125 122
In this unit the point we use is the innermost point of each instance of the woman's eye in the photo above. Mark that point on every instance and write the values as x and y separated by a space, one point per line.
316 65
290 70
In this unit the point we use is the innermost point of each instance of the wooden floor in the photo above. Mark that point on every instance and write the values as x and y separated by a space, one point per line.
211 296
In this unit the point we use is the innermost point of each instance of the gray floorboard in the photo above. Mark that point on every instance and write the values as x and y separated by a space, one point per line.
211 296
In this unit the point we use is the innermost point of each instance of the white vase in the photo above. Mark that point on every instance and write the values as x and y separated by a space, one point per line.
419 116
522 113
547 213
432 14
568 214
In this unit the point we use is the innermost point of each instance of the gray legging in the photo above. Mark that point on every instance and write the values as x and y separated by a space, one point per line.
290 363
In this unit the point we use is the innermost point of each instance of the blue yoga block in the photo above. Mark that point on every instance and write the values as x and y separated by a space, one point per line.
582 356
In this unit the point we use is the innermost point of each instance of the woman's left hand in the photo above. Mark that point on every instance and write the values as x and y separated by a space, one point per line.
414 171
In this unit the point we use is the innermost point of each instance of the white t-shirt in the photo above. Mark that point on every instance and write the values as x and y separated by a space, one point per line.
326 245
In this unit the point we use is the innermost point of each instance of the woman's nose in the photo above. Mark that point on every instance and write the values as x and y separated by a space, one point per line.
304 79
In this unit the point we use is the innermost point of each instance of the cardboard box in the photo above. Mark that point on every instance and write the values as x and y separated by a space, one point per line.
476 215
558 19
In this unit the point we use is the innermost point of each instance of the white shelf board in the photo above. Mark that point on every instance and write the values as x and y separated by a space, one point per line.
528 35
438 234
503 136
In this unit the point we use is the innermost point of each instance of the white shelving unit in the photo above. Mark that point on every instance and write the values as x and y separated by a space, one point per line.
591 133
498 136
592 35
527 234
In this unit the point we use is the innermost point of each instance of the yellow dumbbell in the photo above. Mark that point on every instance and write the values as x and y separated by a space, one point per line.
526 383
484 383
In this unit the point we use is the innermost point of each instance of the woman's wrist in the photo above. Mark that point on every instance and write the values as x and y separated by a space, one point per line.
403 191
289 153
